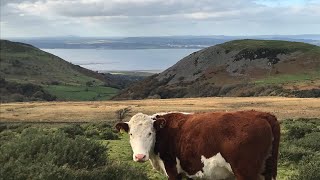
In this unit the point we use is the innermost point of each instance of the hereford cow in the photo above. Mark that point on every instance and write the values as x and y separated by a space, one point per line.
215 145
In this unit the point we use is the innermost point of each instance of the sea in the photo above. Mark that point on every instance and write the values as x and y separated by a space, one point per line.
148 60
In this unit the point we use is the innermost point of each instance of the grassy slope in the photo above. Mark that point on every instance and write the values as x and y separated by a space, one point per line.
300 72
24 63
255 44
82 93
290 78
310 51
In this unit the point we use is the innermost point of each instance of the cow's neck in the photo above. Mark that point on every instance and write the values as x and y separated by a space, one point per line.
157 163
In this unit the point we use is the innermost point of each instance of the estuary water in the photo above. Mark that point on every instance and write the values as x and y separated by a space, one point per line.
122 60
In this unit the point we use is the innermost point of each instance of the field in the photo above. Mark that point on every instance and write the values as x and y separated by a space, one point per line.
299 117
283 108
303 80
81 93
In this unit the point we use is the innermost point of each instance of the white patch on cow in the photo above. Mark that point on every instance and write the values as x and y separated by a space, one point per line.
142 135
157 163
214 168
178 166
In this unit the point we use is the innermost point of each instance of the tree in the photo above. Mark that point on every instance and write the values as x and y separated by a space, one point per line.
121 114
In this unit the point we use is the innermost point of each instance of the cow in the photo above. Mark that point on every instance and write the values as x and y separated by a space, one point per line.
240 145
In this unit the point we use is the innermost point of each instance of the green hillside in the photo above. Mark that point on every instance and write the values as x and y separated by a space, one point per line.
270 44
23 63
237 68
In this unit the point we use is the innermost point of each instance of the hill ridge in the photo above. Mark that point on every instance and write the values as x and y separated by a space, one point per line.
229 70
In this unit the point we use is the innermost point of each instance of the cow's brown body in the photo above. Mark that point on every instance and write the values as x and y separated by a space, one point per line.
247 140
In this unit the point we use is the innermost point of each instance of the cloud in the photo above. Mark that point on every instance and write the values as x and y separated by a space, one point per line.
157 17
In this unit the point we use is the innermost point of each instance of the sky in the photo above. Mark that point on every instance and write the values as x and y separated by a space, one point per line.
112 18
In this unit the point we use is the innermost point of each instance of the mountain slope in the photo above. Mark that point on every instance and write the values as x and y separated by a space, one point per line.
25 64
35 66
237 68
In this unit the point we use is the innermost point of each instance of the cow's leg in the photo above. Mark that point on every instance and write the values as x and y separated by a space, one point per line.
243 176
172 171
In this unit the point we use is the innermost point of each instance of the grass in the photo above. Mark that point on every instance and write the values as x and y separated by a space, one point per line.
120 150
282 107
81 93
39 69
255 44
290 78
26 64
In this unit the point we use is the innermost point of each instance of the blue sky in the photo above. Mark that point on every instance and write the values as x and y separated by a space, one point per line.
38 18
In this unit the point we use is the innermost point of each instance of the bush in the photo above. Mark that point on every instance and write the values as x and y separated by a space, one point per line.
108 135
310 141
292 153
47 154
73 130
100 131
92 133
299 128
309 169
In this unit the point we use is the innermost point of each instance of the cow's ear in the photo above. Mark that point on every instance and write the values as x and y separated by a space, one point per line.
159 123
122 126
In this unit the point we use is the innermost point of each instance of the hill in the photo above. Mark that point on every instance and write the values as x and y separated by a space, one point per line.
237 68
23 63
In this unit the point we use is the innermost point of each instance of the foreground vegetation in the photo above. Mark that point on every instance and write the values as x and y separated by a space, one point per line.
95 151
66 152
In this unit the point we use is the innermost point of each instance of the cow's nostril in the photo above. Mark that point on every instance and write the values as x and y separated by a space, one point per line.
140 156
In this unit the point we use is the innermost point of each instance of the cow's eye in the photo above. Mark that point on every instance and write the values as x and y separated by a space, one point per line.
130 134
149 134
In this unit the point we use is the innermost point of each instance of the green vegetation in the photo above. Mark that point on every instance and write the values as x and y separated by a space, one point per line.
270 44
13 91
121 150
95 151
24 64
300 149
50 152
290 78
82 93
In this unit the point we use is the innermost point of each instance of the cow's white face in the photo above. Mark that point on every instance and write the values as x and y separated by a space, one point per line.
142 131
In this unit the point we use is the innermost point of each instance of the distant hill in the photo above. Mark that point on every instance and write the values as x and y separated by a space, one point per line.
237 68
23 63
156 42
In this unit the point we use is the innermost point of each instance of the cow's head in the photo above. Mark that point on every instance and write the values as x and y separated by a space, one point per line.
142 130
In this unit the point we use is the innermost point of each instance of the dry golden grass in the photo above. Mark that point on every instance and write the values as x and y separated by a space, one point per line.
282 107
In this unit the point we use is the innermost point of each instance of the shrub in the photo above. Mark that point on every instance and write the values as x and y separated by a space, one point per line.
309 169
17 97
121 114
108 135
299 128
310 141
292 153
92 133
46 154
73 130
100 131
